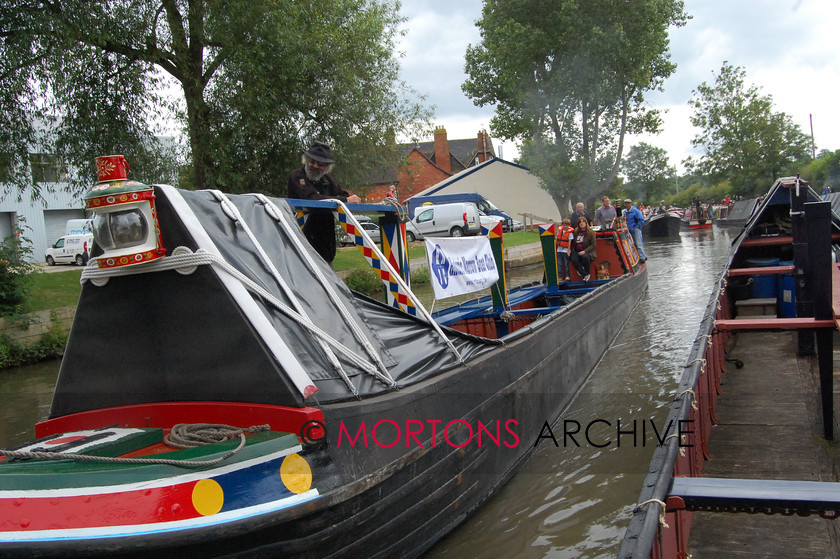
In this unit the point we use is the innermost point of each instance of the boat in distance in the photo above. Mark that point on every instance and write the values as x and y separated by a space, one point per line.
695 217
782 275
663 225
340 425
740 213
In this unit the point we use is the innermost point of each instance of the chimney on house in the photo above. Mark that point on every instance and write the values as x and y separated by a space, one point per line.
483 151
442 150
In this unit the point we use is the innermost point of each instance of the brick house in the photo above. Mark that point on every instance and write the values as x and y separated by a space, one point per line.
510 186
429 163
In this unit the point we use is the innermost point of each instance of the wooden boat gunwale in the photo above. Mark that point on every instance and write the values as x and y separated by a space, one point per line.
660 524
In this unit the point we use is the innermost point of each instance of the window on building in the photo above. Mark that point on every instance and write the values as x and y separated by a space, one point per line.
47 168
6 161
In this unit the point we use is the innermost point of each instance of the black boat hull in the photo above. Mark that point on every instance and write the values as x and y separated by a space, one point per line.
662 226
398 501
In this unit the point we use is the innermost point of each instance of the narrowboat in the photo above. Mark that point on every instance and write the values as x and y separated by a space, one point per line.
664 225
740 213
755 400
223 393
695 218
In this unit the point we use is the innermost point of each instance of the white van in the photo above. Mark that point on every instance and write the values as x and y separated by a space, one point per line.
78 227
70 249
444 220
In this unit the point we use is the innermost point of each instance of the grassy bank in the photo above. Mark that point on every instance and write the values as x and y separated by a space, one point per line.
61 289
55 290
350 258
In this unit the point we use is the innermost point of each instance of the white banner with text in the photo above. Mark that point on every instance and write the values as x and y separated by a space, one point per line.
460 265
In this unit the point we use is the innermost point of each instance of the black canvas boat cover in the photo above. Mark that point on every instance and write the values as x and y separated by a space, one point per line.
741 211
224 332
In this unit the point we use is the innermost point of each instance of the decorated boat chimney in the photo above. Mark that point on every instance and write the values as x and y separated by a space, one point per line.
125 222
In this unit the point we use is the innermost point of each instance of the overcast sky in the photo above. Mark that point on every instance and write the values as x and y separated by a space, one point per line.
790 49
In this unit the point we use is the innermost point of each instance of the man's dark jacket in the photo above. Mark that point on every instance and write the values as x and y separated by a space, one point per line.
320 226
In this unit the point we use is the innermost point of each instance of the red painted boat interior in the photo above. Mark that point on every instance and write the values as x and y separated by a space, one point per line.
166 414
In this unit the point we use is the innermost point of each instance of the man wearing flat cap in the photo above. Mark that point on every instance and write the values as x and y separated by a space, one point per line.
313 182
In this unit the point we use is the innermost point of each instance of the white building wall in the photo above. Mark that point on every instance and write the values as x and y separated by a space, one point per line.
508 185
35 224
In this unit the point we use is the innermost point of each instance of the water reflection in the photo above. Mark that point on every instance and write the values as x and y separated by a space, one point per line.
575 502
25 396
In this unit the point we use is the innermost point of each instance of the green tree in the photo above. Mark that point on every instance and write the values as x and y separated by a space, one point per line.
568 78
256 80
824 170
649 175
742 138
15 272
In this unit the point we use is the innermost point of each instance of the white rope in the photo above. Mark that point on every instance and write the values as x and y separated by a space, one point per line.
233 213
681 442
661 513
401 211
694 397
274 212
224 432
702 363
183 258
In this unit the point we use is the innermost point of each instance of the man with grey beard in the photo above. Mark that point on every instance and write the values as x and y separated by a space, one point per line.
313 182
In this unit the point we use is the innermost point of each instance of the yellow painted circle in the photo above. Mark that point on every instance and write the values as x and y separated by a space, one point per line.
296 474
208 497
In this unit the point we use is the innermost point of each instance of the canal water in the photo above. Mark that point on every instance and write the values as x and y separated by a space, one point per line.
568 501
573 502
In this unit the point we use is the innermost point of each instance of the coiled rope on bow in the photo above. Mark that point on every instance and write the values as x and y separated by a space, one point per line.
208 433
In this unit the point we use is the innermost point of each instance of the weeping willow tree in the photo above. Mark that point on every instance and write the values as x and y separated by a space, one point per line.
247 84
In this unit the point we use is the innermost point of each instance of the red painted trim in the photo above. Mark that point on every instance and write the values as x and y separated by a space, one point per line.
835 293
775 241
167 414
142 506
761 271
772 324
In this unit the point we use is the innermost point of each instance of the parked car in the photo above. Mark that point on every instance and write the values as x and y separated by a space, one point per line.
372 229
444 220
490 221
70 249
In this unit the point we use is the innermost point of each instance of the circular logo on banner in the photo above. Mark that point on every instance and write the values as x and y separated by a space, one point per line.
440 267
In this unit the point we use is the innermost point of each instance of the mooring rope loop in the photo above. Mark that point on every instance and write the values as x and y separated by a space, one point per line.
702 362
192 435
693 397
681 442
661 512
